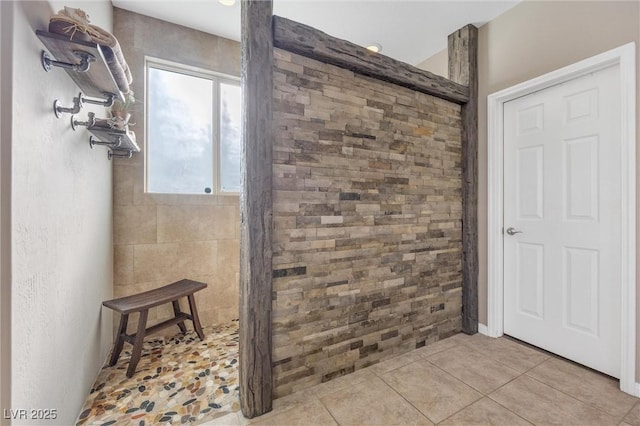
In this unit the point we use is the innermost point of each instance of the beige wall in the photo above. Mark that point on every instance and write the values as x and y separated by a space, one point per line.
532 39
61 230
437 64
162 238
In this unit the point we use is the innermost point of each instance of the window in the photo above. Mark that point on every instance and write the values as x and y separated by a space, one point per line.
193 130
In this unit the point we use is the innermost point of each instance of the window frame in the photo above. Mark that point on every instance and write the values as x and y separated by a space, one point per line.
217 78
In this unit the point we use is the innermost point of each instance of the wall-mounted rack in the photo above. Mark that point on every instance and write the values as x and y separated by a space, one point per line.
84 62
91 74
122 141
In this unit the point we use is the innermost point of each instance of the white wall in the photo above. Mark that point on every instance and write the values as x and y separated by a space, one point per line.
5 181
61 232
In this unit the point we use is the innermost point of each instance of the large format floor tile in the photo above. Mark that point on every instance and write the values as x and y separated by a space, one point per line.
462 380
633 417
472 367
593 388
485 412
434 392
508 352
372 403
439 346
394 363
542 404
343 382
311 413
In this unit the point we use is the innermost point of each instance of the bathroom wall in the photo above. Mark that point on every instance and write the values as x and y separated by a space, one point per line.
60 229
531 39
6 51
367 221
162 238
437 64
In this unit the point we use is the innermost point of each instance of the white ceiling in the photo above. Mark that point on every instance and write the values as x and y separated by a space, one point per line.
410 31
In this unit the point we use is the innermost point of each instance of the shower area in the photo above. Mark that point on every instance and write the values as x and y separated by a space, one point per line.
174 222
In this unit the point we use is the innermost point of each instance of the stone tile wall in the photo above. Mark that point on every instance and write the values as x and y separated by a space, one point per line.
367 221
161 238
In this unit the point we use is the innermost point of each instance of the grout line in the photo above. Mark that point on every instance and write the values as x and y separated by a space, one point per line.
510 410
536 365
409 402
455 378
328 410
461 381
461 409
437 352
393 369
574 397
487 353
629 412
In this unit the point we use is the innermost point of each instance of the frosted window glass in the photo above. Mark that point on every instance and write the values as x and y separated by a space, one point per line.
180 133
230 132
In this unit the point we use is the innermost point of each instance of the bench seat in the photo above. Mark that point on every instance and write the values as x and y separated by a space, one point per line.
141 303
155 297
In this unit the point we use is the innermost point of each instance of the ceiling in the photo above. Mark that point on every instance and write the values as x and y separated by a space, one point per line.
410 31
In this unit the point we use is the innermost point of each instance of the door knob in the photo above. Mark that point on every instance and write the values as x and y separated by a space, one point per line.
513 231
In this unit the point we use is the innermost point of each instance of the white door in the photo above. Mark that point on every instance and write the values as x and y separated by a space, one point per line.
562 183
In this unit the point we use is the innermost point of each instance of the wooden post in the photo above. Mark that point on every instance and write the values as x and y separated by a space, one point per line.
463 69
256 208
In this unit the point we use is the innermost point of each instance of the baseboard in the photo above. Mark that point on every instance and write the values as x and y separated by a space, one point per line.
482 329
638 389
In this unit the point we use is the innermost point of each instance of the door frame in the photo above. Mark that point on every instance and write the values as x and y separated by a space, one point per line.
624 57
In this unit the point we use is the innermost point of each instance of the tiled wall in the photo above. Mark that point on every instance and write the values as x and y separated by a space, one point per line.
159 238
367 216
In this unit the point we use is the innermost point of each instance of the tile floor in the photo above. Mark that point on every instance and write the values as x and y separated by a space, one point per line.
462 380
179 380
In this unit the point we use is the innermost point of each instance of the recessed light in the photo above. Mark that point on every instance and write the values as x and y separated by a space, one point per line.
375 48
227 2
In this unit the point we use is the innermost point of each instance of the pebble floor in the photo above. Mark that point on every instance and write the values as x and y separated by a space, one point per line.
179 380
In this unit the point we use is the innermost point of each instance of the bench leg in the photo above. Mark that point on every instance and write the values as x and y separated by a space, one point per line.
137 346
119 343
176 312
194 315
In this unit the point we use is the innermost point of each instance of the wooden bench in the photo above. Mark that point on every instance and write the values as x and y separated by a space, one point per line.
141 303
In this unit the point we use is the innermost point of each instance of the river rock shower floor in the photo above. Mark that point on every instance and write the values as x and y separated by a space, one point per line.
179 380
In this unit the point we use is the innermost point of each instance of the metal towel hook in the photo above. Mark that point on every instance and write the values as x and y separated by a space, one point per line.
79 101
111 154
89 123
115 144
85 61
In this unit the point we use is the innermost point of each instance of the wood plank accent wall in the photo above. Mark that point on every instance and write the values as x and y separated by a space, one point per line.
307 41
256 209
463 69
347 165
367 241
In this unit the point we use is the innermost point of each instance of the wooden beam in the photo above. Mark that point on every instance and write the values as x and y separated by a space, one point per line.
463 69
256 208
307 41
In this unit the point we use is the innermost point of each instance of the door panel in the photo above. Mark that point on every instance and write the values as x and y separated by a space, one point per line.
562 191
530 275
581 179
581 289
530 182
